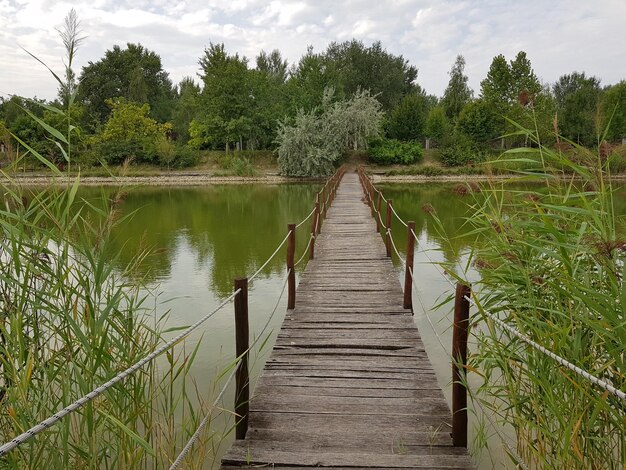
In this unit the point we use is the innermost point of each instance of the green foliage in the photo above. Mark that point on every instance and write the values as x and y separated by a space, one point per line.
460 150
511 90
577 97
551 266
437 124
314 143
226 99
478 121
392 151
130 133
187 108
457 93
135 74
407 121
614 112
72 320
372 68
242 166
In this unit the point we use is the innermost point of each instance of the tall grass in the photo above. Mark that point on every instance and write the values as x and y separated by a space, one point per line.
70 321
552 265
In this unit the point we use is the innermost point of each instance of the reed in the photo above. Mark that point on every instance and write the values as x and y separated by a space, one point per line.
552 263
71 318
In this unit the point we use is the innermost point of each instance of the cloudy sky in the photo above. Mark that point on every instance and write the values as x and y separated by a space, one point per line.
559 36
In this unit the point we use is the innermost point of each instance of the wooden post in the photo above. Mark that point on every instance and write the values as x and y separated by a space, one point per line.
314 229
242 381
408 277
378 213
291 250
388 230
459 361
378 216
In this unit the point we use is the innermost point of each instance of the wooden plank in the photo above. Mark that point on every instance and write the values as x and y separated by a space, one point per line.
348 383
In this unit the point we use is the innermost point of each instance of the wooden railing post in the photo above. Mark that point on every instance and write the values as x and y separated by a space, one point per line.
459 361
388 231
378 213
314 229
291 250
242 380
408 272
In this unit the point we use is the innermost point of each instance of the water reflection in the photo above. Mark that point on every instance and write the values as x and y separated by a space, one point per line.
226 231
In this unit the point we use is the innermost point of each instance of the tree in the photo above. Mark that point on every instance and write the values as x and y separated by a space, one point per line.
457 93
130 133
186 109
510 91
614 111
308 80
272 65
135 74
314 142
408 120
523 78
437 124
577 97
496 89
227 99
359 67
478 122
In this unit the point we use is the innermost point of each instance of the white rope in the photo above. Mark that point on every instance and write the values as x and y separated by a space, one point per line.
25 436
307 218
270 258
395 248
198 432
434 263
428 316
203 423
273 311
306 250
398 217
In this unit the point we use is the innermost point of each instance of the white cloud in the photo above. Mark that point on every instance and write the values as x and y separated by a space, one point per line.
559 37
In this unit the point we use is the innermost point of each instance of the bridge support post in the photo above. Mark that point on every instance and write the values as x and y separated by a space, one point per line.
314 229
291 249
408 272
378 217
388 231
242 340
459 362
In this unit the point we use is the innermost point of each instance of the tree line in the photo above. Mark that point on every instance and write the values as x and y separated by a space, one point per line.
127 106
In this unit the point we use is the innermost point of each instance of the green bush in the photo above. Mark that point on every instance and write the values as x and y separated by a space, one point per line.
179 156
390 151
242 166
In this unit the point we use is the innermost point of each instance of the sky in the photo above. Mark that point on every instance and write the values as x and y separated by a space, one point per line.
559 36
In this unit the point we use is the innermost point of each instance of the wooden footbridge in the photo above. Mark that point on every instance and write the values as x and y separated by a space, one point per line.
348 384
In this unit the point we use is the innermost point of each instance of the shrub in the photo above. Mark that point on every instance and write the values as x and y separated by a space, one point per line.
241 166
390 151
177 156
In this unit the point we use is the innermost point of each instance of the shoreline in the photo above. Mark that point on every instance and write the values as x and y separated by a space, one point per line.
204 180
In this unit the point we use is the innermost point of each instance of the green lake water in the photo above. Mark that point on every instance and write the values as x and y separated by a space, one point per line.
205 237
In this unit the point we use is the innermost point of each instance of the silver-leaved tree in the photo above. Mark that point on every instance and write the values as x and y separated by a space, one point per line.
315 141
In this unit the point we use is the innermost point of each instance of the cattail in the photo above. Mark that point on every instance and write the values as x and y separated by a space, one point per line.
428 208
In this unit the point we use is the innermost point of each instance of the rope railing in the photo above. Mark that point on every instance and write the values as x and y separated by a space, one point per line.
59 415
327 192
370 190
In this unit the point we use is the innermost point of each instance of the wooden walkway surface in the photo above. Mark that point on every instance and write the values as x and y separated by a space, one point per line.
348 384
